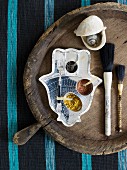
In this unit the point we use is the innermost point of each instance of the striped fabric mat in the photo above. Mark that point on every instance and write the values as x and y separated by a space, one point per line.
21 24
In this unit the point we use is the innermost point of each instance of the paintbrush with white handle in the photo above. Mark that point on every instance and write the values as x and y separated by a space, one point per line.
107 58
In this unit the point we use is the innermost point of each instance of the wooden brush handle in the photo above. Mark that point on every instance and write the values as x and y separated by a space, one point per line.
108 113
120 113
107 85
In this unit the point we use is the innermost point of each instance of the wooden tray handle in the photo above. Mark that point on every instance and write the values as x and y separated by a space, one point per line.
21 137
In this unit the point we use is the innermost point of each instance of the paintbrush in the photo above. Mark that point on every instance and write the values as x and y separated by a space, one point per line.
120 73
107 58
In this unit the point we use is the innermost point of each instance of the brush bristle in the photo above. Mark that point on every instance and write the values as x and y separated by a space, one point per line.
120 72
107 57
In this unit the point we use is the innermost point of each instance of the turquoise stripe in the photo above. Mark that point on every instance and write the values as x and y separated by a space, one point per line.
11 83
122 160
50 153
86 159
49 142
85 2
49 13
122 1
86 162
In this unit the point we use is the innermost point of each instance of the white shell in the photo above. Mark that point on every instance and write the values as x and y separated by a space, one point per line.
92 26
102 42
92 39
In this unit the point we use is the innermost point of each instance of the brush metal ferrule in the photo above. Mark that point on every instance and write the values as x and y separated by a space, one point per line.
120 88
107 80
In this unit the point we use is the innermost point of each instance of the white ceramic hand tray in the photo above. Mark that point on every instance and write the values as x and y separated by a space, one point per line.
69 66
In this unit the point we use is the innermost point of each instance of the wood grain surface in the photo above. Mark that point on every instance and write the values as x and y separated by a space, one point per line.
87 136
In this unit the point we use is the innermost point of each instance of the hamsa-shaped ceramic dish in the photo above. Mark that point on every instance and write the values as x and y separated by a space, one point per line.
70 86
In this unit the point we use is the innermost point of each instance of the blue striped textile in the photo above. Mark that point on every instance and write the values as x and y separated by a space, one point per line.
11 83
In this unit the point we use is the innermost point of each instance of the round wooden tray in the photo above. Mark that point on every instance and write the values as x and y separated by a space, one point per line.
87 136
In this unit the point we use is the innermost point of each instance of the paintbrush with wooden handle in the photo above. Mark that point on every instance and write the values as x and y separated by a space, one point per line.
120 73
107 58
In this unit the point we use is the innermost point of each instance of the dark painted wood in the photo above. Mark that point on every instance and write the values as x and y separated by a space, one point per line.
87 136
